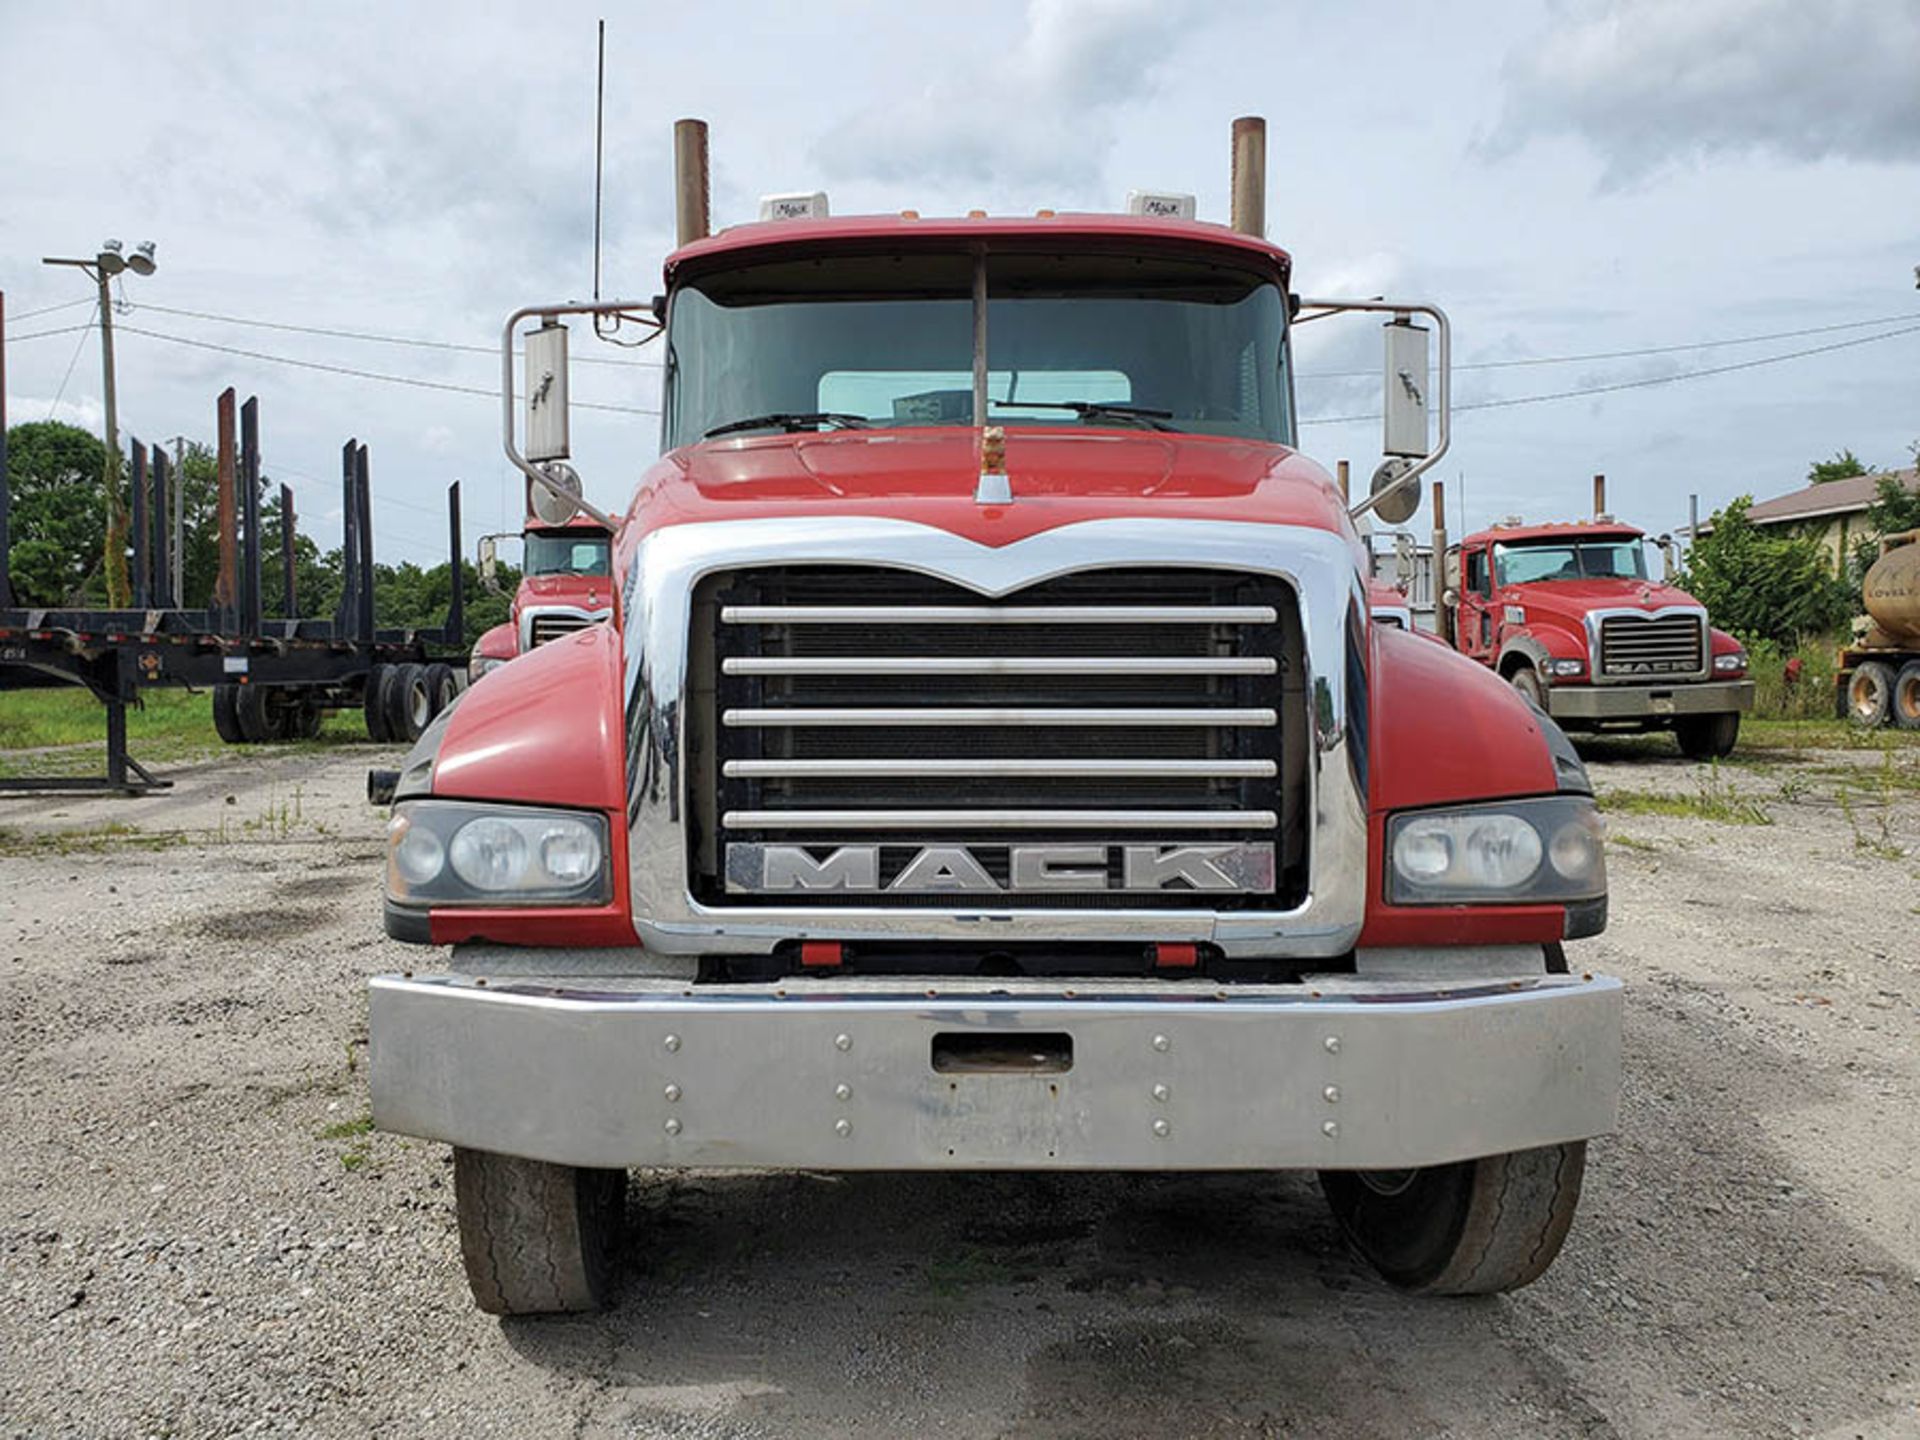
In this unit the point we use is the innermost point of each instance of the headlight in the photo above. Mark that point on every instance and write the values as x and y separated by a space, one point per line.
442 852
1730 664
1520 851
479 665
1567 667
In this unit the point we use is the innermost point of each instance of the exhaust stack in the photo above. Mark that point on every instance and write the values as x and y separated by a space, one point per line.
691 200
1599 497
1250 176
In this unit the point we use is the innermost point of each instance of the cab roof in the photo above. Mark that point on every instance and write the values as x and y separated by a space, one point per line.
1559 530
886 232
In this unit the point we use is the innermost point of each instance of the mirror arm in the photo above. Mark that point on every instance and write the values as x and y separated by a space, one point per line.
1444 391
635 310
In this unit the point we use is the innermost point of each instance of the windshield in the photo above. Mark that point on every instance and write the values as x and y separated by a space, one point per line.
1570 560
1134 341
568 552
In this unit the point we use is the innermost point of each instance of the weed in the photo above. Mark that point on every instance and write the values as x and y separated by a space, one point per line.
347 1129
353 1159
1630 842
1712 799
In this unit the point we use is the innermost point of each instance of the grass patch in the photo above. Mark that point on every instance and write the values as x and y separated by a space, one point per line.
1632 842
348 1129
166 724
1711 799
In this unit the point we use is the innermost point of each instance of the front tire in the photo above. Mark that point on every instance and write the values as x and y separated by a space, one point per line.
537 1238
1527 681
1476 1227
1707 737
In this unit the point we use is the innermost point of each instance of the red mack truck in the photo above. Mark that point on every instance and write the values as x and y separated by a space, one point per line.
992 763
1567 615
565 583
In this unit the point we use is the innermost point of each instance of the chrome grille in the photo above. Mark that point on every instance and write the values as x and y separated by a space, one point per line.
1653 647
552 626
837 704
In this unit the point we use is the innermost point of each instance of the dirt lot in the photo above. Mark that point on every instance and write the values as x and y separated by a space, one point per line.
198 1236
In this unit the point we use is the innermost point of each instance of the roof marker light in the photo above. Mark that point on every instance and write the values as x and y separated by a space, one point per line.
798 206
1161 204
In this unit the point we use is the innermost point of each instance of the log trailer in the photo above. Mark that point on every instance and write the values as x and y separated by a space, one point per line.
270 680
992 763
1567 614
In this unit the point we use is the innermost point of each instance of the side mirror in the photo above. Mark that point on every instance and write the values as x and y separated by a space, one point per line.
490 563
547 437
1406 391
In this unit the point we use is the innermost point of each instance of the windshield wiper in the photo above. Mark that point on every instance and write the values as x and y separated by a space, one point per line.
791 420
1098 410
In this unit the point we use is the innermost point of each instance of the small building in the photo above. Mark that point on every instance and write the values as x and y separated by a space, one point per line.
1834 513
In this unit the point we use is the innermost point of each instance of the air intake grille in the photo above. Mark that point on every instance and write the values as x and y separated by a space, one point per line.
841 706
1653 647
553 626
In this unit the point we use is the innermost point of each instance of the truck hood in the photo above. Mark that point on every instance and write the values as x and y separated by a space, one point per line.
1058 477
590 592
1571 600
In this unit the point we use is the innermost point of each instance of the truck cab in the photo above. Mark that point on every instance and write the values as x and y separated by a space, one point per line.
1569 616
565 584
993 762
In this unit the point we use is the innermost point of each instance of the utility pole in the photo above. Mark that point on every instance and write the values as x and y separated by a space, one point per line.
101 269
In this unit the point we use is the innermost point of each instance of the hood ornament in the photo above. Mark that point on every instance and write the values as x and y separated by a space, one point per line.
994 488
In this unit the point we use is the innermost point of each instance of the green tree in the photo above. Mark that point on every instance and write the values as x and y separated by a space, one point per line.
1842 466
59 524
1765 586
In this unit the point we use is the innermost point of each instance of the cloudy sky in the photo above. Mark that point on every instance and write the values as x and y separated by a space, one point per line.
1566 179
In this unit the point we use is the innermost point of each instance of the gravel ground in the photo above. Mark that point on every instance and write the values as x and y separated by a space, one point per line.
199 1237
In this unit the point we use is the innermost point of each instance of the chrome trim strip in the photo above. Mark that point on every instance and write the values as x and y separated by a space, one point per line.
1322 568
999 819
999 665
998 615
997 715
573 612
918 769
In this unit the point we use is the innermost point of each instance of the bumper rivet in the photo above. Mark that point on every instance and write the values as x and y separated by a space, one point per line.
1331 1129
843 1091
1161 1092
843 1128
672 1042
1333 1044
1160 1042
1331 1094
1162 1129
672 1092
672 1127
843 1042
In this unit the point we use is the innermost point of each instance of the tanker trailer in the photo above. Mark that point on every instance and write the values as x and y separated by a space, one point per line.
1879 674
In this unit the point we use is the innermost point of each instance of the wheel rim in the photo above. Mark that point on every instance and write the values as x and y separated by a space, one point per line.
419 704
1387 1182
1906 698
1865 694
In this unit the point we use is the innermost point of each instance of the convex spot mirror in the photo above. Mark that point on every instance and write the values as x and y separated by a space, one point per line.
1394 505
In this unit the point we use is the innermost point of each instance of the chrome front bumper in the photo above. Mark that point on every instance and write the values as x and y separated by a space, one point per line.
1343 1072
1648 702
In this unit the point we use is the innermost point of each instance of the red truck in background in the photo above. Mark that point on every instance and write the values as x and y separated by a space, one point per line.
993 762
565 585
1568 615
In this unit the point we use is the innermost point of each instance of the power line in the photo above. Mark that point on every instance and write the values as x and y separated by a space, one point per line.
43 334
20 315
1514 400
72 360
348 370
373 338
1631 354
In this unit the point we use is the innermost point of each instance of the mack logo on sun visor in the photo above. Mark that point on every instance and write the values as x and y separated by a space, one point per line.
976 869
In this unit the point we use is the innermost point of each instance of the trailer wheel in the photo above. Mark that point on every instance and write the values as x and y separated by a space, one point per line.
303 720
409 702
374 704
443 685
1906 696
226 715
1870 694
1472 1228
537 1238
1707 737
1527 681
257 725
